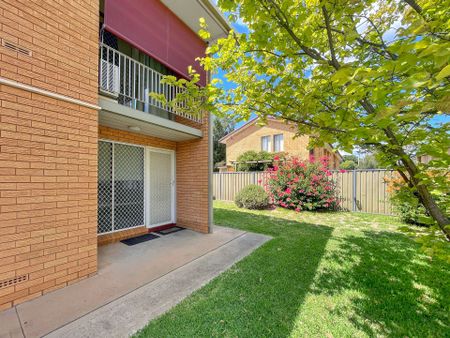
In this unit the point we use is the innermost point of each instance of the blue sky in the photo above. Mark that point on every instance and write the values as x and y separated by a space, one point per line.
241 28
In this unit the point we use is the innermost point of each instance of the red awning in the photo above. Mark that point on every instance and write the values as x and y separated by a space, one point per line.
154 29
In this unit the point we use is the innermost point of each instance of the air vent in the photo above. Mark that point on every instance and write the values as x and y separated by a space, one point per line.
13 281
16 48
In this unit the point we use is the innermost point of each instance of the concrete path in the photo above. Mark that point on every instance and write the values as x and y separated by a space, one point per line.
134 285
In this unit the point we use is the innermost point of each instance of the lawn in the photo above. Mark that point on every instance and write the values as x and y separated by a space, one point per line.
322 275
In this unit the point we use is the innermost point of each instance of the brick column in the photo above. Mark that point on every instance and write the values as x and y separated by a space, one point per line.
192 175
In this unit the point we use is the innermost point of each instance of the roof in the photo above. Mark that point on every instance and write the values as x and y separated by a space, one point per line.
190 11
238 130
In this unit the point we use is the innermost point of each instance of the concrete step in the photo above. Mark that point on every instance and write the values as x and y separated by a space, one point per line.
127 314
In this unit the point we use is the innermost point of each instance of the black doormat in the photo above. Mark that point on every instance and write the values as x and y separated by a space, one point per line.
139 239
170 230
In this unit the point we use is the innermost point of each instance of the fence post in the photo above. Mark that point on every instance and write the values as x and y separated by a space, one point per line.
220 187
354 189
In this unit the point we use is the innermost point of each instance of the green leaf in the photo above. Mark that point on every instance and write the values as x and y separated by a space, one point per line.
443 73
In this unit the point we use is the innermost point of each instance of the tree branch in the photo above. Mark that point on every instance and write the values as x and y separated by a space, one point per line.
283 21
414 5
326 17
273 53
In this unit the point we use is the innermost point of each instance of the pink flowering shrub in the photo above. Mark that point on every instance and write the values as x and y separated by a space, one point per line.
302 185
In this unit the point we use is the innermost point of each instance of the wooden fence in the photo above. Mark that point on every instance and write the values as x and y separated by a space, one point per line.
358 190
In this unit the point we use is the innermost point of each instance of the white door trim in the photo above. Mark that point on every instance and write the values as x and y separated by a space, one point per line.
172 154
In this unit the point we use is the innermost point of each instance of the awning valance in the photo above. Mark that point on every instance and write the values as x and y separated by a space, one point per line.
154 29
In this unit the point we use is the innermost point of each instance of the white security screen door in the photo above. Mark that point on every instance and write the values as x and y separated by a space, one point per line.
161 185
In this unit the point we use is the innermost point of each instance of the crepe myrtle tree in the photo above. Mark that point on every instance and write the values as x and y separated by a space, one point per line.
371 74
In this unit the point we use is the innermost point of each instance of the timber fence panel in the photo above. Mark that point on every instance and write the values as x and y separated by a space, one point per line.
358 190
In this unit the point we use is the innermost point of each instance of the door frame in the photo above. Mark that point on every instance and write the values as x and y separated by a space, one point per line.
147 188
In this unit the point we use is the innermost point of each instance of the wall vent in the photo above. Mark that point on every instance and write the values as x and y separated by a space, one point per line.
16 48
13 281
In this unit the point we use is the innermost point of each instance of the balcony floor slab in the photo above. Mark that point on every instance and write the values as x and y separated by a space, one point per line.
117 116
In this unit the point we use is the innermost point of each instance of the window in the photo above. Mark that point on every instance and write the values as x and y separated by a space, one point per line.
278 143
265 143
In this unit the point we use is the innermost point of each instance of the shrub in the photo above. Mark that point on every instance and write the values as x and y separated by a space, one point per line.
302 185
407 205
252 197
348 165
248 161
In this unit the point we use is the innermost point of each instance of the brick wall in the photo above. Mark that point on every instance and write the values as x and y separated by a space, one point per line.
250 139
134 138
121 235
334 159
192 161
191 171
48 147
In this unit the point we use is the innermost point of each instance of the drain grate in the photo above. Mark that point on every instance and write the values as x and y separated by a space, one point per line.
13 281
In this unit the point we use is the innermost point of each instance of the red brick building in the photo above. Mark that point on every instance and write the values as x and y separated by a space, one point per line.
86 156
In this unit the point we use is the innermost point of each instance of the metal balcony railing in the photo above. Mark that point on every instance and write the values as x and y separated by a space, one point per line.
131 82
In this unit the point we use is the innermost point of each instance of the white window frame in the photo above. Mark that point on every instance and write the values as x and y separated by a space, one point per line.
269 143
281 148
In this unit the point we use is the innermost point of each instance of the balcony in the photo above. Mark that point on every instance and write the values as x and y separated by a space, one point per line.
125 86
131 82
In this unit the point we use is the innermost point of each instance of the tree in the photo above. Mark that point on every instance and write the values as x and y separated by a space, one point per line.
221 127
350 162
352 158
371 74
368 162
348 165
254 161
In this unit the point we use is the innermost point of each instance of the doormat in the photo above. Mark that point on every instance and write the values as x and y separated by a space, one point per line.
139 239
170 230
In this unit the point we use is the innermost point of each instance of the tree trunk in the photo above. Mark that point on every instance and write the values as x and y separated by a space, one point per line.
424 194
426 199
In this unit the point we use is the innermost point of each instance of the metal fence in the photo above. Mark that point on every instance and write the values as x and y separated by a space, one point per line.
132 82
358 190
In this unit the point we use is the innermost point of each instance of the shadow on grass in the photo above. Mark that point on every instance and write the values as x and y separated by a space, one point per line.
404 294
260 295
378 282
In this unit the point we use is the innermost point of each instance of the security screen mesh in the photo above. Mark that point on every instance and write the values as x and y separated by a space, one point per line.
128 186
120 187
160 188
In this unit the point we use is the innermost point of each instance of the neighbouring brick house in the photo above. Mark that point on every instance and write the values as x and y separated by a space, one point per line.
274 136
86 157
425 158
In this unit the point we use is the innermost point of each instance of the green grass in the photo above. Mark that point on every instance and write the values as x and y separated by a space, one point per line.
322 275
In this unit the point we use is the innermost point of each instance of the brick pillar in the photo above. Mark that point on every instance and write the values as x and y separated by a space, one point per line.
193 175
